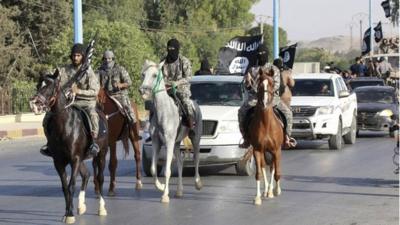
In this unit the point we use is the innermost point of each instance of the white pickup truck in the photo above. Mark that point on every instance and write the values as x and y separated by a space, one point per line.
323 108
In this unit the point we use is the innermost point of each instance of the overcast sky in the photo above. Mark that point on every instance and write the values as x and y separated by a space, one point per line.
313 19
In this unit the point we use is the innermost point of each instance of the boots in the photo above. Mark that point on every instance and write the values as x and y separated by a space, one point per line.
246 142
45 151
290 142
93 148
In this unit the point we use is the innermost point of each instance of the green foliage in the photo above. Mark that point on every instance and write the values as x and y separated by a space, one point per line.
21 92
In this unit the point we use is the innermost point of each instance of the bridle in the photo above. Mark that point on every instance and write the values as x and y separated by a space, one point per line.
155 87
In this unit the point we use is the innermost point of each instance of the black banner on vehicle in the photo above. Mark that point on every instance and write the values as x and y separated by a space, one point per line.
238 55
366 46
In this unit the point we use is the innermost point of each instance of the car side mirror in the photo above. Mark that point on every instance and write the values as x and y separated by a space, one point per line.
344 94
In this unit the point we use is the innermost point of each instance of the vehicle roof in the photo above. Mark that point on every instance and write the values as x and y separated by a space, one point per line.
366 79
316 76
378 88
217 78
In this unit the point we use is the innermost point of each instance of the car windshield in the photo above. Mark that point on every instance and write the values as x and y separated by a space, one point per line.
374 97
356 84
314 87
217 93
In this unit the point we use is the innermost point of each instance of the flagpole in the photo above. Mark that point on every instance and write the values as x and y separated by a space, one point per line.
276 28
78 37
370 25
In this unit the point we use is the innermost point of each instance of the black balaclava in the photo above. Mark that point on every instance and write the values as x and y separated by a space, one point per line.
173 50
262 55
205 65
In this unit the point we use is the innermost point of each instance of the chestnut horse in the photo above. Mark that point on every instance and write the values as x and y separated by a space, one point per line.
266 137
118 129
68 141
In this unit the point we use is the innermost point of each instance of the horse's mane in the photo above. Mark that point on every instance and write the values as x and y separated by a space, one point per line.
147 63
264 74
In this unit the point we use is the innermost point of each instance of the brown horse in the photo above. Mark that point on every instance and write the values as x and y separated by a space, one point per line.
118 129
266 137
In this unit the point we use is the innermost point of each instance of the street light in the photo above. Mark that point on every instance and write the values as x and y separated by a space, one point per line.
359 17
261 19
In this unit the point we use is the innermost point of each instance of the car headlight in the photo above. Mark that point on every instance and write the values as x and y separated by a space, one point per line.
229 126
386 113
325 110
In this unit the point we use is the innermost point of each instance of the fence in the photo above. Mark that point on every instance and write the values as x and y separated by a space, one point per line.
15 99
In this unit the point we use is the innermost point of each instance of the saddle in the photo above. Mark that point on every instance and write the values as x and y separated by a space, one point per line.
87 123
250 115
121 109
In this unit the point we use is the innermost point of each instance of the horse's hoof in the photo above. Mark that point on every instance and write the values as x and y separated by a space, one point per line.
198 185
179 194
270 194
81 209
139 185
265 194
277 191
257 200
165 199
102 212
68 219
111 193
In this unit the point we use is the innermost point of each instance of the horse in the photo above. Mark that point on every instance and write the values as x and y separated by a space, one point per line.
68 140
266 137
118 130
166 128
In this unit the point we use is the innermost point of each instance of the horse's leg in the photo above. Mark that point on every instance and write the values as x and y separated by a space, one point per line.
85 179
153 169
265 176
60 167
257 156
179 164
277 164
69 216
196 156
134 137
95 172
270 194
101 164
170 152
112 167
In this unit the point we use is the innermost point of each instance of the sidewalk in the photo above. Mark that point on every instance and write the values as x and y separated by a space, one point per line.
21 125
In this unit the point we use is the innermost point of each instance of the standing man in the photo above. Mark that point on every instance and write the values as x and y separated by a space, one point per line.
115 79
251 83
85 90
177 71
358 69
384 69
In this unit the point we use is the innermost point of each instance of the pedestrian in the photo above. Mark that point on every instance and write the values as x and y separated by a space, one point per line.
205 68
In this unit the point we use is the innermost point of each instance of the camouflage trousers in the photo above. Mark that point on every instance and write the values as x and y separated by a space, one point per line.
184 97
281 106
90 109
126 104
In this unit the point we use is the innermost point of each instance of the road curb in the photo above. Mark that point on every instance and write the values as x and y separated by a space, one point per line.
18 133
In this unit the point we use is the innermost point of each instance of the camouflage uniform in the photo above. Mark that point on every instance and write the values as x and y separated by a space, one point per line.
252 97
86 97
180 72
109 78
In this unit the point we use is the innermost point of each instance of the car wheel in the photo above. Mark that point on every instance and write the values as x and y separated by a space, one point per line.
335 141
146 164
246 167
350 137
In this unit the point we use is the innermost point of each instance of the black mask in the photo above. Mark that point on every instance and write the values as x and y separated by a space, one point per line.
173 50
262 55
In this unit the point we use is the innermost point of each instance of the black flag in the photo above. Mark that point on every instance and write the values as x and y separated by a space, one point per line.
287 54
366 46
238 55
378 32
386 7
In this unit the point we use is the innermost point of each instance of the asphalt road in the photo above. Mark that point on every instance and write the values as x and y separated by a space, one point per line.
354 186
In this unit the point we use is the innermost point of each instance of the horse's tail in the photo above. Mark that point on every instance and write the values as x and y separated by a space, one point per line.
125 144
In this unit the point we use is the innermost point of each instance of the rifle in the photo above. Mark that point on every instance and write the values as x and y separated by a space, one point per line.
85 65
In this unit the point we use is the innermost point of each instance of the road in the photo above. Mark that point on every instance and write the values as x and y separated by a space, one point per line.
354 186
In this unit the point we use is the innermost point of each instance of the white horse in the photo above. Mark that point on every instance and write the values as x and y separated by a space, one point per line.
166 128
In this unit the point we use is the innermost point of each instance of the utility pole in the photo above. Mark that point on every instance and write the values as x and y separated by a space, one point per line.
350 25
78 30
261 20
276 28
359 18
371 43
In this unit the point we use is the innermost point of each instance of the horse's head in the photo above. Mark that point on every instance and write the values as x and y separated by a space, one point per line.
48 88
152 79
265 89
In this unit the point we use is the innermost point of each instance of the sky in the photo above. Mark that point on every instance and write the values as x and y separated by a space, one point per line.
313 19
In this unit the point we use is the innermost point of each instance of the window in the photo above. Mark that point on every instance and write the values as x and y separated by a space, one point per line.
314 87
217 93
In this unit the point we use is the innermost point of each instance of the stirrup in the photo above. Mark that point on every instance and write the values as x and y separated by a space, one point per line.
44 150
94 149
290 142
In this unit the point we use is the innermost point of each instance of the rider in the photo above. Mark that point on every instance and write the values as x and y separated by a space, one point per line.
85 91
177 72
115 79
250 80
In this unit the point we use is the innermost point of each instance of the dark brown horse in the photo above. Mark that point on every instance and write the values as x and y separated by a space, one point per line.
120 129
68 141
266 137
